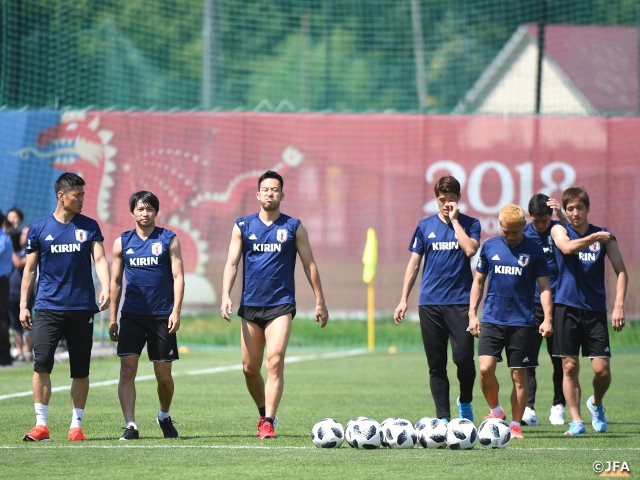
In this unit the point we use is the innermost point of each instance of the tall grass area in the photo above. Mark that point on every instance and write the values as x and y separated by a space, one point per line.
216 420
212 330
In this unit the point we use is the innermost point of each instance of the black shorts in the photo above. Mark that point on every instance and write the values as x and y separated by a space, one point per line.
574 328
137 330
517 341
49 326
261 316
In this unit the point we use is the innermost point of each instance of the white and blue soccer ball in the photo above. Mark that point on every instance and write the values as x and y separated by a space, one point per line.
432 433
461 434
327 433
383 425
398 433
494 433
363 433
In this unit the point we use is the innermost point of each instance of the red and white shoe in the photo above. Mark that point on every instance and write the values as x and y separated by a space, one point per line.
266 431
39 433
502 416
261 421
76 435
516 432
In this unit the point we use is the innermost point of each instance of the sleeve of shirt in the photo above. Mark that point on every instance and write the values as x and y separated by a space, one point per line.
541 267
482 266
417 242
33 245
97 237
475 230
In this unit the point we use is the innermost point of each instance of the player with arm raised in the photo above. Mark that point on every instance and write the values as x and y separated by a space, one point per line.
60 247
268 242
151 260
580 314
511 265
447 241
541 209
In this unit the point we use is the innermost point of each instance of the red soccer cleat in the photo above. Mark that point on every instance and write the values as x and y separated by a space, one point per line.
516 432
502 416
76 435
39 433
266 431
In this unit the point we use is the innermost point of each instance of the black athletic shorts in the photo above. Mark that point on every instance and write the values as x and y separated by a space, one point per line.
49 326
261 316
574 328
153 330
517 341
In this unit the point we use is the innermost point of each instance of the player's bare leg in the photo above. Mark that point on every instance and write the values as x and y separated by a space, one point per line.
571 386
127 386
277 335
165 384
41 384
488 381
519 393
253 342
601 379
79 392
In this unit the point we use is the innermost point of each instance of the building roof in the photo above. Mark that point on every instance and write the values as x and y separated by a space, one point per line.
598 64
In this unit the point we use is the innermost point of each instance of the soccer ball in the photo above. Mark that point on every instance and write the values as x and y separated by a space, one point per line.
432 433
363 433
494 433
399 434
384 425
327 433
461 434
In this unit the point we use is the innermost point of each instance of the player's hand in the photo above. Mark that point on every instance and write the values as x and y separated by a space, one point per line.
113 332
553 204
174 323
322 315
104 300
453 209
226 309
546 329
398 315
602 237
25 318
617 318
474 326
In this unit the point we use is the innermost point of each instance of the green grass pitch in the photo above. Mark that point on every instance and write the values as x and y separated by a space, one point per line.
216 421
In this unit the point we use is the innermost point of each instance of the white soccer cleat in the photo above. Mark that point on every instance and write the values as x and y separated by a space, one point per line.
529 417
557 415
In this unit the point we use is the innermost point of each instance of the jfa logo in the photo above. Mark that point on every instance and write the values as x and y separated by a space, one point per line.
81 235
612 469
156 248
523 260
595 247
282 235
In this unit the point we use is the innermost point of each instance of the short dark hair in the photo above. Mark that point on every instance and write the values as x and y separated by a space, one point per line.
575 193
67 181
538 205
18 212
271 174
447 184
146 197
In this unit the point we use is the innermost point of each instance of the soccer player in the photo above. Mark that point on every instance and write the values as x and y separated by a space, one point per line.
541 209
60 247
512 264
151 259
267 242
447 240
581 310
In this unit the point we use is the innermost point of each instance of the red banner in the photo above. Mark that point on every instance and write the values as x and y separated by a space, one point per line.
343 174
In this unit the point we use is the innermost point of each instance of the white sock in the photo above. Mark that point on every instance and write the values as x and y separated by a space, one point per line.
132 424
162 415
513 422
497 410
41 413
76 417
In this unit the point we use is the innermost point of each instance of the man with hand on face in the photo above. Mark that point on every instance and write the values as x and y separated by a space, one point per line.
447 240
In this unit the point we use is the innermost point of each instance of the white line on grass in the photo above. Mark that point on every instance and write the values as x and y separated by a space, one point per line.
228 368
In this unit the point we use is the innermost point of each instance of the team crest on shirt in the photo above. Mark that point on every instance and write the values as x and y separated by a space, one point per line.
523 259
282 235
81 235
595 247
156 248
